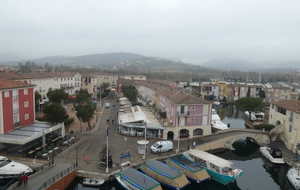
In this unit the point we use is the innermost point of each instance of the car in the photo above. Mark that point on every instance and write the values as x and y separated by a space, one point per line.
107 105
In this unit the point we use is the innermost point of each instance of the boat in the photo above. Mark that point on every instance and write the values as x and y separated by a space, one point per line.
293 176
165 174
219 169
193 171
255 115
272 153
10 169
216 122
133 179
92 182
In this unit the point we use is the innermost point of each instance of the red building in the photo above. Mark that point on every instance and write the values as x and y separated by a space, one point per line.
17 108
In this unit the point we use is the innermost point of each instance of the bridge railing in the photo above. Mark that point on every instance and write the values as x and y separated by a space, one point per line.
55 178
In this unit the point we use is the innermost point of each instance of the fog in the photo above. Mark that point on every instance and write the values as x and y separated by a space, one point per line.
193 31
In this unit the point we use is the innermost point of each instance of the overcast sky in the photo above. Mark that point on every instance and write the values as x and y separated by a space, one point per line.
194 31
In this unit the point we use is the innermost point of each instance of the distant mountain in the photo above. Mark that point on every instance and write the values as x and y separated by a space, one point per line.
4 57
230 64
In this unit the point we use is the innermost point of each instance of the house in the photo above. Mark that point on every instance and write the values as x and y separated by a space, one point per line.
285 115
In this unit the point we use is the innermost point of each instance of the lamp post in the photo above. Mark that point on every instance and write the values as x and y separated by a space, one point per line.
107 170
160 142
145 123
76 156
188 146
178 139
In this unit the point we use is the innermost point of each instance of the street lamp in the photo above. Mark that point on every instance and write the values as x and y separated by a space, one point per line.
76 156
178 139
107 170
160 142
188 146
145 123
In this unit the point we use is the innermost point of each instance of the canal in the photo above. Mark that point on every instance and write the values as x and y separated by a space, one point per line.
258 172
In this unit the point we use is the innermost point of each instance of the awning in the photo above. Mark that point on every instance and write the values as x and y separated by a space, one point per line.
28 133
135 125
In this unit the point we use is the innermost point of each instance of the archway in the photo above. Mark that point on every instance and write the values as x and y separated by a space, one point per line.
170 135
197 132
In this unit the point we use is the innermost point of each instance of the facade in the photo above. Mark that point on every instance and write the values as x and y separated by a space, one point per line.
17 107
106 80
210 91
135 77
285 114
89 82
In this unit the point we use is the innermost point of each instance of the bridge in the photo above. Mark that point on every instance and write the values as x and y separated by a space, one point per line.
225 138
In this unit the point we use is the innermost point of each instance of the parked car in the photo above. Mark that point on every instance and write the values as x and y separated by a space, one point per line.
162 146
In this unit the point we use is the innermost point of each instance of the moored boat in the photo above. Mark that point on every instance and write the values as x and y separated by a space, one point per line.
165 174
193 171
133 179
219 169
10 169
216 122
272 153
92 182
293 176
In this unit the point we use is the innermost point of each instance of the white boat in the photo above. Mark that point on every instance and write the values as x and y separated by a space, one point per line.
92 182
216 103
293 176
272 153
255 115
216 122
219 169
10 169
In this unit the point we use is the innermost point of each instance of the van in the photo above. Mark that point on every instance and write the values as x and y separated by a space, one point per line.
162 146
107 105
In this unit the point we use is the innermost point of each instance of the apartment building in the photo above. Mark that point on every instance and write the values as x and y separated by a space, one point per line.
106 80
16 105
89 82
210 91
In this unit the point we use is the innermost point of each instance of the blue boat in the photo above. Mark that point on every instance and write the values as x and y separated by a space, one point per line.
132 179
165 174
193 171
219 169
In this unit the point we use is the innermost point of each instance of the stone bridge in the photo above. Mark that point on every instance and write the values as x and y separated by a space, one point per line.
225 138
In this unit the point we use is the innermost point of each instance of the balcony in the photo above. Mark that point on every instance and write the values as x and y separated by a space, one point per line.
183 113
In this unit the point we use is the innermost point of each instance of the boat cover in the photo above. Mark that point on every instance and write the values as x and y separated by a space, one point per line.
220 162
163 168
186 163
140 179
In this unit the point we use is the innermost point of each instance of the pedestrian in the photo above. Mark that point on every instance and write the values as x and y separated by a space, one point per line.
25 179
20 179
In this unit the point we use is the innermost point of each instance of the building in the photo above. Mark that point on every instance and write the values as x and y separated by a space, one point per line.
285 115
106 80
89 82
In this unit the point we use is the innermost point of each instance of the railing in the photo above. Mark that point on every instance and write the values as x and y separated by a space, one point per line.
57 177
17 124
183 113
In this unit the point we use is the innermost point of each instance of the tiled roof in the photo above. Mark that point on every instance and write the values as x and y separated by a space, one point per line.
292 105
36 75
12 76
8 84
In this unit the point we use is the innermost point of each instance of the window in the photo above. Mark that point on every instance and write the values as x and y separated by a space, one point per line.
290 128
26 116
25 91
26 104
192 108
291 116
272 106
192 119
15 95
6 94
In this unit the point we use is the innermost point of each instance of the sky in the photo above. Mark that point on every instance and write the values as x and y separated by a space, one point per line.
193 31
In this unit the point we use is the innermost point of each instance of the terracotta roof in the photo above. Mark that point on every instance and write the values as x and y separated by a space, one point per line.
292 105
8 84
12 75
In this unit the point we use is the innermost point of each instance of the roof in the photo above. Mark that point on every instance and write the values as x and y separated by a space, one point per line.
8 84
160 167
28 133
139 178
186 163
220 162
292 105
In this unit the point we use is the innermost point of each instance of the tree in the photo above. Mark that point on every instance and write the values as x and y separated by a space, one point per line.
261 94
248 92
249 104
57 95
37 98
130 92
84 107
55 113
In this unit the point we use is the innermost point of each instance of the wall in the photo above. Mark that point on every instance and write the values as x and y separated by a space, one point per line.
64 182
